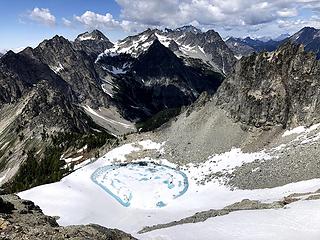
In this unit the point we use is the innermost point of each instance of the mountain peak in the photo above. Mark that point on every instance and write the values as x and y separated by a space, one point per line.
95 35
189 28
308 29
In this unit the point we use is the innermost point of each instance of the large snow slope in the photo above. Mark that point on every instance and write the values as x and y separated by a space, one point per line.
88 196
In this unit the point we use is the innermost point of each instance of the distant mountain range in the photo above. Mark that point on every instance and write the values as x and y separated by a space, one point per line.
91 85
309 37
246 46
80 87
187 43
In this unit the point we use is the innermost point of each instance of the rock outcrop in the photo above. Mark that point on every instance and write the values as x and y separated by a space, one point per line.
277 88
21 219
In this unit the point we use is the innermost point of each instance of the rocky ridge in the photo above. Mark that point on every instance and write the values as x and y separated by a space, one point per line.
188 43
59 86
21 219
270 89
244 205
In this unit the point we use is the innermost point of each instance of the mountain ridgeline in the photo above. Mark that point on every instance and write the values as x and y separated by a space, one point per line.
91 86
91 91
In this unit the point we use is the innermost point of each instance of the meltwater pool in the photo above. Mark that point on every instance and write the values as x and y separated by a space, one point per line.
141 184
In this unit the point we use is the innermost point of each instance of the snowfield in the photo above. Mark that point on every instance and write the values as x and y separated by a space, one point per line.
299 221
116 191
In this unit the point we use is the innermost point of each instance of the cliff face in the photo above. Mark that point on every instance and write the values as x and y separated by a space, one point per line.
277 88
73 66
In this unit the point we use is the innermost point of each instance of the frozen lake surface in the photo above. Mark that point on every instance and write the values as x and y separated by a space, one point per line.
141 184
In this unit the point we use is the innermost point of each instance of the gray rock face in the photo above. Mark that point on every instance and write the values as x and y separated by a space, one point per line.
26 221
73 66
277 88
266 91
34 101
49 96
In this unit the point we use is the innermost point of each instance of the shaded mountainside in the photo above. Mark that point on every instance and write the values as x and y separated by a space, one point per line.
35 104
158 80
74 66
22 219
60 86
310 38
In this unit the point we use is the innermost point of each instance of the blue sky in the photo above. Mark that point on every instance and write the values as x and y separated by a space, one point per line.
27 22
18 30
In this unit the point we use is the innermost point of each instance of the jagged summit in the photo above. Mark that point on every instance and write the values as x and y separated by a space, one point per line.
94 35
188 28
93 43
186 42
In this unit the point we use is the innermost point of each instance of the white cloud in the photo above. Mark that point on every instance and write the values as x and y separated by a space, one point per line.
213 13
287 12
231 17
93 20
293 25
43 16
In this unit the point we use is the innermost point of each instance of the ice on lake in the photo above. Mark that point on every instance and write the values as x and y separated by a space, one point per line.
141 185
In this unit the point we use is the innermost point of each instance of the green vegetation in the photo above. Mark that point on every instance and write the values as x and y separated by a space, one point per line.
34 172
157 120
78 140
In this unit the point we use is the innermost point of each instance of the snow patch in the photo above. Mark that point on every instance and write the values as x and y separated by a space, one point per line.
90 110
297 130
225 162
298 221
86 38
58 68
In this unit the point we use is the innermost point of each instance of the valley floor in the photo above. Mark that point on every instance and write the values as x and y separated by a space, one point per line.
206 206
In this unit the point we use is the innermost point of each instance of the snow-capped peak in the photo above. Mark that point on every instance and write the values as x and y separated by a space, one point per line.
95 35
186 42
